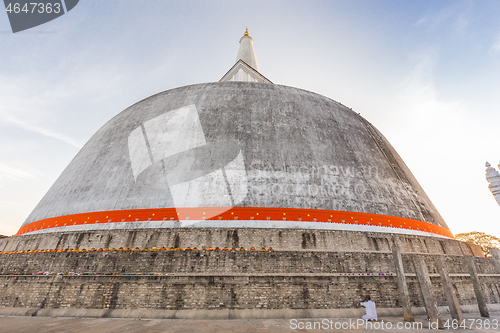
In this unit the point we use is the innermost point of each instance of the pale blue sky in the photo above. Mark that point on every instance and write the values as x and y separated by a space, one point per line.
425 73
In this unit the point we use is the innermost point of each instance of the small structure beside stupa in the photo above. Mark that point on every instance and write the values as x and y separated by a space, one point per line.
493 178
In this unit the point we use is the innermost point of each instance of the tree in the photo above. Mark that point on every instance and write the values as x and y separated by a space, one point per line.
485 241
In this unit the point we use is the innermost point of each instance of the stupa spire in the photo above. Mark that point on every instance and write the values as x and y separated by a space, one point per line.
246 51
246 68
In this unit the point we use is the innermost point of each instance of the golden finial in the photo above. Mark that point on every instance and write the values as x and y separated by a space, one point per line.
246 33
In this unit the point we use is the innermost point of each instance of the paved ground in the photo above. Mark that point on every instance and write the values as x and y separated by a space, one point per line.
88 325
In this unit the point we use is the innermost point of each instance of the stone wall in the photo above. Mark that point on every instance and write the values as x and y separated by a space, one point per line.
324 270
200 262
280 239
222 292
227 262
214 280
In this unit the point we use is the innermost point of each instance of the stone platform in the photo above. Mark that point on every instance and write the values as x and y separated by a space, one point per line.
227 280
108 325
321 271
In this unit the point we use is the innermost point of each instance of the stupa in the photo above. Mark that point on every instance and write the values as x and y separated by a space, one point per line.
238 165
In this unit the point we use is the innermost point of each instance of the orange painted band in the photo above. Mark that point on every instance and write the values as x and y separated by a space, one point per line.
235 213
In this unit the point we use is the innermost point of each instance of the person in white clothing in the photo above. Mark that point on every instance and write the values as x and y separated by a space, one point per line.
371 311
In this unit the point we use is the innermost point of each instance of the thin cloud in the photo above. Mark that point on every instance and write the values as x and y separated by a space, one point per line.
496 46
433 19
43 131
16 173
455 17
425 110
